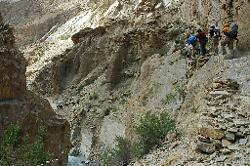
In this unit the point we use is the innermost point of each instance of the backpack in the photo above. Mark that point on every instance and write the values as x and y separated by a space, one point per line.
214 32
233 33
192 39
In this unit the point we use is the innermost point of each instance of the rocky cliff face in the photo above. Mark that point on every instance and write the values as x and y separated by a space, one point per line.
204 13
21 107
13 82
115 60
34 20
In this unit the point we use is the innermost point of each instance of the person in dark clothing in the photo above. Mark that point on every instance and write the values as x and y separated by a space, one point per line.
215 36
230 35
202 38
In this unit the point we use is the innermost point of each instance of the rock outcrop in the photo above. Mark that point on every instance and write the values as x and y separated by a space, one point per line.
13 82
21 107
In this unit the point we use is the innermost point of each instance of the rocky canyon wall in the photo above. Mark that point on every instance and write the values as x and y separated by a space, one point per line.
117 59
25 109
32 20
208 12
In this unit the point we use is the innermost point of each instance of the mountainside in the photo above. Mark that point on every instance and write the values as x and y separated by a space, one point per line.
103 65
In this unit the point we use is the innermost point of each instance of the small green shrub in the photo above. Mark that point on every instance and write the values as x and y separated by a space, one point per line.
163 51
194 109
34 154
122 154
123 101
153 129
180 89
178 93
7 143
178 21
170 98
93 96
26 153
114 109
174 32
180 41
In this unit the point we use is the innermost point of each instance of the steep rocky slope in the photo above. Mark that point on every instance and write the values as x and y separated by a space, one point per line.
32 20
209 12
115 60
21 107
213 118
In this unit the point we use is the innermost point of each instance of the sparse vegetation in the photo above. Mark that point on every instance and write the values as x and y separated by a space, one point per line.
122 154
177 29
26 153
34 154
153 129
123 101
180 41
93 96
170 98
7 143
114 109
178 93
163 51
180 89
194 109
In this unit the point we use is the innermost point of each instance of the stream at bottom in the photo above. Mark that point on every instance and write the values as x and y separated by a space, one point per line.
76 161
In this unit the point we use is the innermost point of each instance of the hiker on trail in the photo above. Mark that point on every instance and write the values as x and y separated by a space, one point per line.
192 44
202 38
230 37
215 36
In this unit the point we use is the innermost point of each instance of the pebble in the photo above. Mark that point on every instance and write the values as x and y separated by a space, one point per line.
243 141
241 122
232 130
221 159
217 144
225 93
205 148
239 134
230 136
233 147
225 151
225 143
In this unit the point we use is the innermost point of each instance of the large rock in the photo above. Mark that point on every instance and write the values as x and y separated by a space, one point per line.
19 106
205 148
13 66
211 133
76 38
31 112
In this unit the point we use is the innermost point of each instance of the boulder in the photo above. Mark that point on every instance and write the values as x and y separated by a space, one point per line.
13 65
31 113
206 148
226 143
87 32
211 133
230 136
